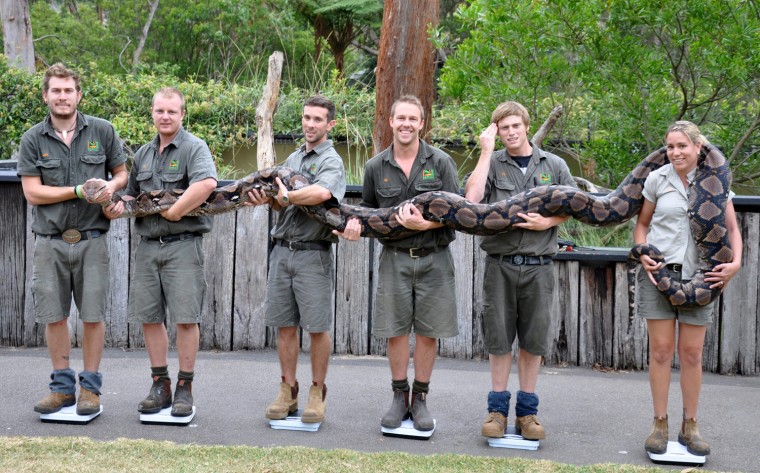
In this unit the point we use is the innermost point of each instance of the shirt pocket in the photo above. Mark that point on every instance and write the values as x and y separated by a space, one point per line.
51 172
388 196
428 186
93 165
503 189
172 180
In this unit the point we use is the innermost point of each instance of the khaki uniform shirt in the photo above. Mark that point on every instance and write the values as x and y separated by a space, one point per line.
506 179
324 166
185 160
94 151
386 185
670 227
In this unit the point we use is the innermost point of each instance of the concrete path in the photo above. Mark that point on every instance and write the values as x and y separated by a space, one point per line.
590 417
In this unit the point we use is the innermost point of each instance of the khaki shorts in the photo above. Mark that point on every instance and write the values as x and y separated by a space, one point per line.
417 292
168 280
516 303
300 289
652 304
61 269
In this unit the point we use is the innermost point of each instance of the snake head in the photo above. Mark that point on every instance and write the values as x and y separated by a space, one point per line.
95 190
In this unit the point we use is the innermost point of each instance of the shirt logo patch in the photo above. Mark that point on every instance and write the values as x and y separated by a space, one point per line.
428 174
545 178
174 164
93 146
313 168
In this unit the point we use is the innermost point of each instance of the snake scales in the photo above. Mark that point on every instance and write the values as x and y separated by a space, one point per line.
707 206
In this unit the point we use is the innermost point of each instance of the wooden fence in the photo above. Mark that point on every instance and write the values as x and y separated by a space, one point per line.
590 319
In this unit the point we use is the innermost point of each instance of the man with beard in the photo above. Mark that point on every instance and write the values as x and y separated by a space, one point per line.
56 157
301 279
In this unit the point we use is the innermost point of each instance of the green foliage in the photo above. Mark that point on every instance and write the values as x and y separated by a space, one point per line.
219 113
623 71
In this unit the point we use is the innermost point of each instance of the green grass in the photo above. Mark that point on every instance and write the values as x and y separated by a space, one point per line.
83 455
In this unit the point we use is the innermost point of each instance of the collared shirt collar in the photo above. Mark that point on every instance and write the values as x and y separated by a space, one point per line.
423 152
319 149
156 142
82 122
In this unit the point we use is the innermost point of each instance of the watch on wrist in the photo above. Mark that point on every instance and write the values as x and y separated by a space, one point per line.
285 197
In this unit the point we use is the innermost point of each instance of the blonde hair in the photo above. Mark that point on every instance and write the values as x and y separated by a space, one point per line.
62 72
689 129
169 92
507 109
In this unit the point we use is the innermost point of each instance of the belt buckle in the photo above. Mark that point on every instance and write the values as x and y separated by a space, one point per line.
290 246
411 253
161 239
71 236
518 259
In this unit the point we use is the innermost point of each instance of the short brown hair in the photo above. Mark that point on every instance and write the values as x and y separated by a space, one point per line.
507 109
410 99
169 92
62 72
322 102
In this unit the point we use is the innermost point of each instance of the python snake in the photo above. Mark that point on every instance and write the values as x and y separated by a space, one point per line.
707 206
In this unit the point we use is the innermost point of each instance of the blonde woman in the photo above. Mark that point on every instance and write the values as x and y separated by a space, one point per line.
663 222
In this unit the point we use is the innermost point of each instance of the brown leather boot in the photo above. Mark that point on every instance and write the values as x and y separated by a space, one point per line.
423 420
530 428
286 402
159 397
315 407
495 425
54 402
183 399
398 411
690 438
88 402
657 442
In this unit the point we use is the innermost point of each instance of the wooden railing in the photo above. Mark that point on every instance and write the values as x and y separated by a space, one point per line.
590 310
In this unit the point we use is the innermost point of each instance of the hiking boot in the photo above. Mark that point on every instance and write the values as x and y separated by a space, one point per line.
159 397
183 399
285 403
88 402
423 421
398 411
530 428
690 438
657 442
495 425
54 402
315 407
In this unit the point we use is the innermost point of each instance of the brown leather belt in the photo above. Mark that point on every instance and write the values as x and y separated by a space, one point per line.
415 252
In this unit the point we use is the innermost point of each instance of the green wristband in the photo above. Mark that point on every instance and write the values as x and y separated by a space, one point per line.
78 191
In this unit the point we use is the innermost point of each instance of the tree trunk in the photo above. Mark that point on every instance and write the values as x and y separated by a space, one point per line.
265 156
17 33
406 62
138 52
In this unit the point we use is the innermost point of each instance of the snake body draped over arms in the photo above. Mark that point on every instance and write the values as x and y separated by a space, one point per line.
707 202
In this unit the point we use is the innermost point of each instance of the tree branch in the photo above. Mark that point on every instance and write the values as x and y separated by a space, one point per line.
540 135
136 57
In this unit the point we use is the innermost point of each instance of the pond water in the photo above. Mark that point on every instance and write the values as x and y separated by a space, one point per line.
243 160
